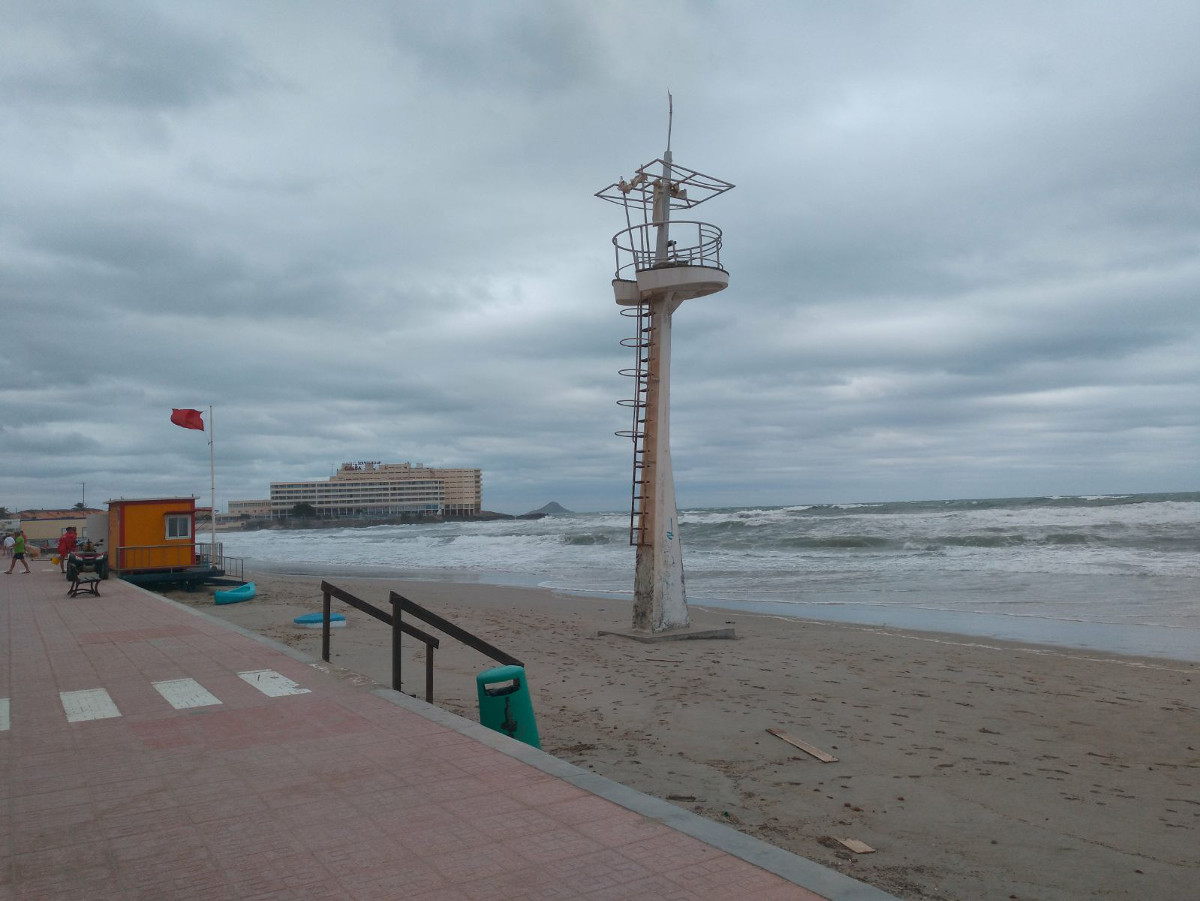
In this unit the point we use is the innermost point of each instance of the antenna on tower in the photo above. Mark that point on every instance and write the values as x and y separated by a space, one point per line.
670 118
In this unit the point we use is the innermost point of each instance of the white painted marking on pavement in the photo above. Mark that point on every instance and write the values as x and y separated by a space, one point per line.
273 684
184 693
90 704
3 714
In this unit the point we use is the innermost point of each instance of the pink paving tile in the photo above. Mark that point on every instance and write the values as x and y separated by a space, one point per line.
547 791
368 781
414 879
54 829
623 829
420 836
52 800
332 761
422 768
778 893
502 776
50 861
223 808
181 841
384 804
549 847
260 836
279 800
657 887
167 734
474 862
598 871
722 876
224 784
140 823
527 884
370 856
581 808
326 890
328 823
268 874
505 821
448 893
126 635
173 866
194 886
498 803
669 846
440 790
150 792
95 885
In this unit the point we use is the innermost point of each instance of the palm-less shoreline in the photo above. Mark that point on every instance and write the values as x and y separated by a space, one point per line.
976 768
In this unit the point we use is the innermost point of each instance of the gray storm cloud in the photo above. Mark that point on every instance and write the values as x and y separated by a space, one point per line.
963 246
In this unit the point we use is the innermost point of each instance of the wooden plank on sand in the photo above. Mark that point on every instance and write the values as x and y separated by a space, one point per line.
856 846
804 746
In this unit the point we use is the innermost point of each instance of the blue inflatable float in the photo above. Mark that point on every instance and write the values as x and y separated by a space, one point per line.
315 620
234 595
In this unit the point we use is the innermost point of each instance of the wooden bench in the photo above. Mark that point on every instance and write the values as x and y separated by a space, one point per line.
85 583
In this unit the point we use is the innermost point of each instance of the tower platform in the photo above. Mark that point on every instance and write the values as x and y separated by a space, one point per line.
151 751
683 282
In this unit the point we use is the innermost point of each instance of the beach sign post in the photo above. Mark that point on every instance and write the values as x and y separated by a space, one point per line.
660 263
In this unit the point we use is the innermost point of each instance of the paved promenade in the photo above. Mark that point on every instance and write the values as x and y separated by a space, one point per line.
148 751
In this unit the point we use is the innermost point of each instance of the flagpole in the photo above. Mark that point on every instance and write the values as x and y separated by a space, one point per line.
212 484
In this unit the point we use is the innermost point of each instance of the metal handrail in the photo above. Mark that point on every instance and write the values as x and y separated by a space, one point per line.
216 557
391 619
401 604
636 247
160 558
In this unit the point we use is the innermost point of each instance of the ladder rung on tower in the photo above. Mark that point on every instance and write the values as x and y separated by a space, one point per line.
640 342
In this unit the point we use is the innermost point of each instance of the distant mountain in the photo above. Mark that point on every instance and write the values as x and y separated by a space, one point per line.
551 509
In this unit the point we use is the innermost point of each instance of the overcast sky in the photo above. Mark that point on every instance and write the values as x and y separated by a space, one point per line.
964 246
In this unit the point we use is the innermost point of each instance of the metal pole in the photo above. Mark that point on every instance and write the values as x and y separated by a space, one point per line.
325 629
662 210
428 674
212 484
396 633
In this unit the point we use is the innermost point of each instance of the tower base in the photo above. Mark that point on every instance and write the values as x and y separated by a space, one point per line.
688 634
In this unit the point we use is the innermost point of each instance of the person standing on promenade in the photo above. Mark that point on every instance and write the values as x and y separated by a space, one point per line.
66 544
9 541
18 553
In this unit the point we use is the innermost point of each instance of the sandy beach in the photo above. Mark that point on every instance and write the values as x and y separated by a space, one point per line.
974 768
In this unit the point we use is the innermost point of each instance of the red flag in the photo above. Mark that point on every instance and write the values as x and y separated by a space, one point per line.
189 419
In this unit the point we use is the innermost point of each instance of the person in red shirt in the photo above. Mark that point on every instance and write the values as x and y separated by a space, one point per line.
66 544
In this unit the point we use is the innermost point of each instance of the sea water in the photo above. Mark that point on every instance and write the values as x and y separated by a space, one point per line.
1116 573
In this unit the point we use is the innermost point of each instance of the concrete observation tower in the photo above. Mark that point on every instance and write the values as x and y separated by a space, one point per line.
660 264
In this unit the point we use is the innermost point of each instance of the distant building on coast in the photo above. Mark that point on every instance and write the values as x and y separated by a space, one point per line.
255 509
371 489
43 527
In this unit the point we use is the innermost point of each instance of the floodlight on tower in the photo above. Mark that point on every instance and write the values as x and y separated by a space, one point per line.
659 264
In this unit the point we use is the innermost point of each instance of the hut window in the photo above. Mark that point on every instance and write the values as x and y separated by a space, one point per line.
179 525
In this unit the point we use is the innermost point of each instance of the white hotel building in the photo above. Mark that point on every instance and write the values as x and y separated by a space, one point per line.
370 489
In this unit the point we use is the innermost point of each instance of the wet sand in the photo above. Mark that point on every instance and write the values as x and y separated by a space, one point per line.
975 769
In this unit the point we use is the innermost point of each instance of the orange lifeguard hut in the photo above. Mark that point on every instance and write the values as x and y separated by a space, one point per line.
152 534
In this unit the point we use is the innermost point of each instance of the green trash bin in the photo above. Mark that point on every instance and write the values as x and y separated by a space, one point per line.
505 705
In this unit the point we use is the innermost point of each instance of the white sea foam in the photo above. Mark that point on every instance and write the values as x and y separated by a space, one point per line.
1103 559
